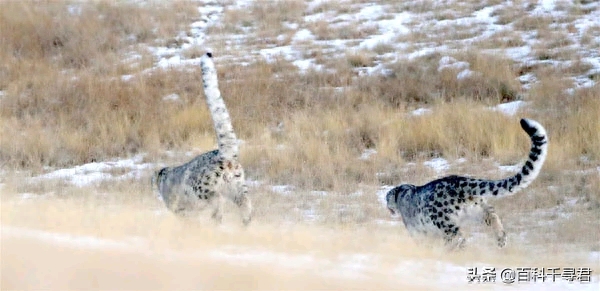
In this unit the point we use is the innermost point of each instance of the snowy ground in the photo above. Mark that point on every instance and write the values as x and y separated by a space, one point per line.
389 25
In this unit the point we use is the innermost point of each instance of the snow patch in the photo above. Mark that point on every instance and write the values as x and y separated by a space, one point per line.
305 65
420 111
450 63
510 169
371 12
367 153
272 54
74 9
440 165
447 62
88 174
282 189
510 108
126 78
303 35
465 74
171 97
390 29
166 63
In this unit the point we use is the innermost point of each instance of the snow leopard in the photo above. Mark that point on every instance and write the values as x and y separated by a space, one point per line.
438 208
213 176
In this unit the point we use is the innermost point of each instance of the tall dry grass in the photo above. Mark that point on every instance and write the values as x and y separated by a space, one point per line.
420 80
84 35
267 19
571 120
65 104
63 97
61 119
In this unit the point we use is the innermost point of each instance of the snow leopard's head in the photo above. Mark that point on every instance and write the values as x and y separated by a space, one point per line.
394 197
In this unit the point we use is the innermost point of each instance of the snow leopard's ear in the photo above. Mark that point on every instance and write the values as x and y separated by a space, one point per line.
156 177
405 189
391 195
396 194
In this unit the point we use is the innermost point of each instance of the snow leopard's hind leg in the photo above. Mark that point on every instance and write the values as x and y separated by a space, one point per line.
218 203
492 220
245 205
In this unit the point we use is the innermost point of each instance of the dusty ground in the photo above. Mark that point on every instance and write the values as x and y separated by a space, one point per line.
108 242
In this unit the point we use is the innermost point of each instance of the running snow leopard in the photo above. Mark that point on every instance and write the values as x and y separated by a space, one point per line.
438 207
211 177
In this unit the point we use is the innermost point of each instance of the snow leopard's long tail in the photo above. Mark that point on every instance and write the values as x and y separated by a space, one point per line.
228 143
530 169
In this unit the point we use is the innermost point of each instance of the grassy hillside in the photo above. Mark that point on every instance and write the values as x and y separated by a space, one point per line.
333 101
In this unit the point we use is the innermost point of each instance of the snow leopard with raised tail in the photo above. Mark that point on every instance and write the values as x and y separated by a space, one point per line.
213 176
438 207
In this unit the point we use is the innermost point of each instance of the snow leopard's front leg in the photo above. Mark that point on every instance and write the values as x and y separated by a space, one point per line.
454 238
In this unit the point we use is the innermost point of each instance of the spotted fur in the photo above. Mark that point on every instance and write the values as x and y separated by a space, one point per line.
438 207
211 177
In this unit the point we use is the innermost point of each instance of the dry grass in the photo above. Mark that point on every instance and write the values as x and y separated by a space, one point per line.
420 81
383 48
571 120
84 36
324 30
267 19
535 22
359 59
64 103
63 96
51 119
276 13
502 40
64 121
